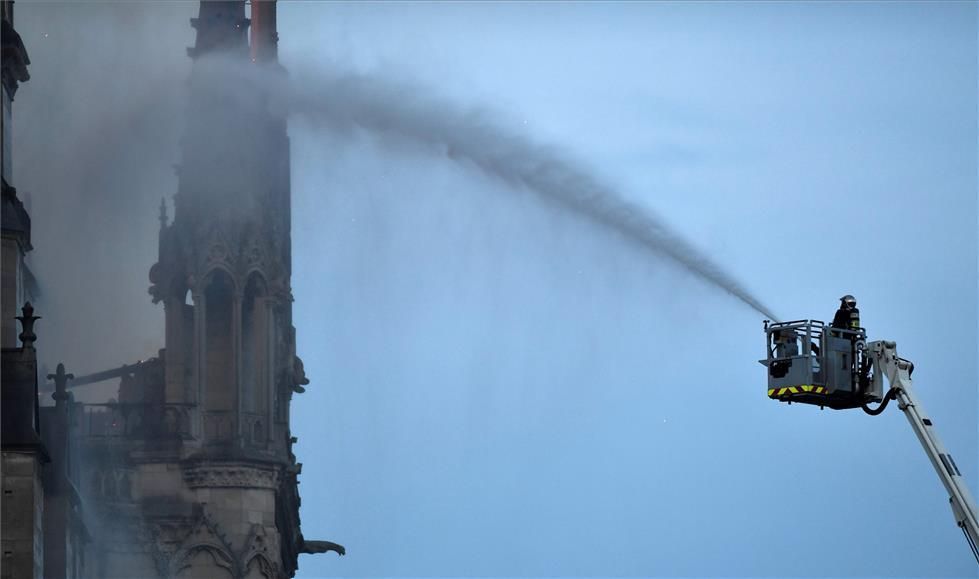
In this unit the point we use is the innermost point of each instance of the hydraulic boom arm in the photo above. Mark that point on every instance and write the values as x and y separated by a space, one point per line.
886 362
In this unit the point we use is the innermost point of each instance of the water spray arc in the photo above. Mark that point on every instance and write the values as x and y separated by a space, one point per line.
344 102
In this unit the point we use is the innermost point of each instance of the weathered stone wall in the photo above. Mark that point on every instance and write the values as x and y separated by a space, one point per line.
188 518
23 512
219 497
11 294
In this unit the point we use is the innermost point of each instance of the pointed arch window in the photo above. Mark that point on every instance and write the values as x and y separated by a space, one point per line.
220 396
255 361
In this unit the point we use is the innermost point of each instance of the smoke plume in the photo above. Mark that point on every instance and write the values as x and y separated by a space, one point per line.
344 102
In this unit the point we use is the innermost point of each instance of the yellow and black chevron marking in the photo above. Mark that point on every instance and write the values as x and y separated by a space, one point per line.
803 389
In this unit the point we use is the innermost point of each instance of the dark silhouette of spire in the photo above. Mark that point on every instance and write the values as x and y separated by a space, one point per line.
221 27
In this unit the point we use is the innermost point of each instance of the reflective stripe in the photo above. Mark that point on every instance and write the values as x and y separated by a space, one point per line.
800 389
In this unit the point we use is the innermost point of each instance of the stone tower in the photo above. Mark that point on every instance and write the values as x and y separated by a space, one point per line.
191 470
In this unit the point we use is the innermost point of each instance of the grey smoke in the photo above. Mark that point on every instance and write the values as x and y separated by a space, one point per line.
95 140
348 101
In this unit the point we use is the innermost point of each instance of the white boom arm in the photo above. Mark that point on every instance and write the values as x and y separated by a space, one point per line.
886 362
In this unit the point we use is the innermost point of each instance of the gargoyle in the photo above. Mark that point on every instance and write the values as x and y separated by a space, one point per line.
298 378
314 547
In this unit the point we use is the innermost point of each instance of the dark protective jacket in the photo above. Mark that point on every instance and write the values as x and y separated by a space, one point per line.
847 319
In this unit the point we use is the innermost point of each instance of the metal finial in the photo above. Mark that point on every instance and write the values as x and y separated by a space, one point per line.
27 336
60 383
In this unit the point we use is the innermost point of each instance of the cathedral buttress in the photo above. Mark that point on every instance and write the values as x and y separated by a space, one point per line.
223 276
224 266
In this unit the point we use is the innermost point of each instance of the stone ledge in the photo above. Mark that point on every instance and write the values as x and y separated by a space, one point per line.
231 475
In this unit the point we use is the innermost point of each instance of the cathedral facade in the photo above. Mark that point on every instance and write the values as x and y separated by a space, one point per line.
189 471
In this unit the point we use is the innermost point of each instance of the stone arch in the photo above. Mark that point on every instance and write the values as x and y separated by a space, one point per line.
203 554
219 269
218 248
219 354
259 554
259 567
254 248
203 561
180 315
255 353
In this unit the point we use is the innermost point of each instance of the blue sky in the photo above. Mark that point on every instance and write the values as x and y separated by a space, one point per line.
500 388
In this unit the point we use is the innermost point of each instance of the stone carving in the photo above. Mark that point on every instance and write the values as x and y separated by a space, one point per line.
157 275
164 540
297 377
253 253
60 383
173 549
217 252
225 475
205 536
27 319
266 568
154 537
315 547
261 548
176 422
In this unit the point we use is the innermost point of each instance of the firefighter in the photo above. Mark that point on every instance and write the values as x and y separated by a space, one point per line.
848 316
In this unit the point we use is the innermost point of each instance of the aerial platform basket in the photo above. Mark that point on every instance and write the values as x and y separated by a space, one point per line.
811 363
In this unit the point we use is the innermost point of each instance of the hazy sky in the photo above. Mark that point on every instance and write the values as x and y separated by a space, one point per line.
500 388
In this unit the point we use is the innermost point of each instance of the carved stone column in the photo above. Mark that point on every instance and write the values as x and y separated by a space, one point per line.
236 349
199 379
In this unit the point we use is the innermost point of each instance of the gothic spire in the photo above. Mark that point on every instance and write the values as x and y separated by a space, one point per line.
221 27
